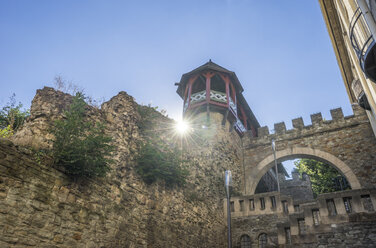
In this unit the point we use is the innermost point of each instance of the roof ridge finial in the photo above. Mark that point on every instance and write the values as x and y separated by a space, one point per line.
210 60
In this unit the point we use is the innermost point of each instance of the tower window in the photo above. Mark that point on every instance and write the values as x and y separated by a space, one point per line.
272 200
285 207
316 217
251 204
232 206
262 203
331 207
347 201
262 240
301 225
217 84
296 208
198 85
241 204
245 241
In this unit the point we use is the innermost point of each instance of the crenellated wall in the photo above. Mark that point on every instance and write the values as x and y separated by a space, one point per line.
346 142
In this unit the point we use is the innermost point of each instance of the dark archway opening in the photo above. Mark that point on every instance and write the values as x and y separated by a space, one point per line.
303 177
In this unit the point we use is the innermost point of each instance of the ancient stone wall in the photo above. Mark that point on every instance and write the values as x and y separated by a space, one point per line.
41 207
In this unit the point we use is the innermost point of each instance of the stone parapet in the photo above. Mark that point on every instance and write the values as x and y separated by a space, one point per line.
299 129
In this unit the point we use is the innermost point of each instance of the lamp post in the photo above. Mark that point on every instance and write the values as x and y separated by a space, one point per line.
275 164
228 182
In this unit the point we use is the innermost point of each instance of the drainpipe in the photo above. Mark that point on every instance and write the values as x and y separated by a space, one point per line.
368 17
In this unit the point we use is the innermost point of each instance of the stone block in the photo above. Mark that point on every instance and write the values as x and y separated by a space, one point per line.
280 128
298 123
263 131
316 119
336 114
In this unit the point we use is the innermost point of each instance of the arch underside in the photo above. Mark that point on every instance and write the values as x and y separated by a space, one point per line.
254 174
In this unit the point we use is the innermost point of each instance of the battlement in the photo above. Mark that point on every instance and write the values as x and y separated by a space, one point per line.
318 123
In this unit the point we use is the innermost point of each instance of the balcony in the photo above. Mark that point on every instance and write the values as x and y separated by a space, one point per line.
364 44
216 96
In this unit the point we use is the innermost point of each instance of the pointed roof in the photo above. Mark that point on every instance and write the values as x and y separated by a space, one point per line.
208 66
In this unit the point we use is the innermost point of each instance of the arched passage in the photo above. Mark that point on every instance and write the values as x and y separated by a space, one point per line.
254 174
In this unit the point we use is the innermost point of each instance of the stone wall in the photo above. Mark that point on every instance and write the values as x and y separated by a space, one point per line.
346 143
312 223
41 207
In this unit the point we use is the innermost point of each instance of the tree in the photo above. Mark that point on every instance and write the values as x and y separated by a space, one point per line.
12 117
324 177
81 145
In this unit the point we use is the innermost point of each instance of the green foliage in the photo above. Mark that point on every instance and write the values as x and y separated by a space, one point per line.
324 178
149 116
40 155
12 117
81 146
158 161
6 132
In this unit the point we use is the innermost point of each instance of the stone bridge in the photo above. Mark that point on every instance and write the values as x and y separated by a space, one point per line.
345 142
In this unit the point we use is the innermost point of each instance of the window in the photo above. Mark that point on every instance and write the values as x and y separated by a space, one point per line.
241 204
285 207
217 84
301 225
251 204
296 208
288 235
316 217
262 203
198 85
367 203
272 199
347 201
245 241
262 240
332 211
232 206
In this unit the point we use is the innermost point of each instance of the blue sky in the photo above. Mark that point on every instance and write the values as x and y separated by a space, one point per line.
280 51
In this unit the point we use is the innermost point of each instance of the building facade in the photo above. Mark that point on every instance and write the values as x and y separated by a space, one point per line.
352 28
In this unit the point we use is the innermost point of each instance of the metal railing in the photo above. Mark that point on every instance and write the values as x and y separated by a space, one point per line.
360 36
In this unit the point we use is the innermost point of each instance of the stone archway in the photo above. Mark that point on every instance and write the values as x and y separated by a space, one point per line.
254 174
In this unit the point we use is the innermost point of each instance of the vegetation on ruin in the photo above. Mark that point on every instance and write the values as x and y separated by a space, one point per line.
80 145
12 117
324 177
158 161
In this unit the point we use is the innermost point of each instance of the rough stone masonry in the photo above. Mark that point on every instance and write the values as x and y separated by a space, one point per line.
41 207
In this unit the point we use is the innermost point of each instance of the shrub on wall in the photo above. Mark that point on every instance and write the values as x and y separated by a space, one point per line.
81 146
12 117
158 161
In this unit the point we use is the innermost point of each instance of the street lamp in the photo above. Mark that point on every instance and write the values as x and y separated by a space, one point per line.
228 183
275 164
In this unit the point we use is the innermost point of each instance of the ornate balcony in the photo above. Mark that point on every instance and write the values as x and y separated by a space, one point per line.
364 44
198 97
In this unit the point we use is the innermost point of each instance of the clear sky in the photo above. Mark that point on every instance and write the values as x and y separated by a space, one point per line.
280 51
